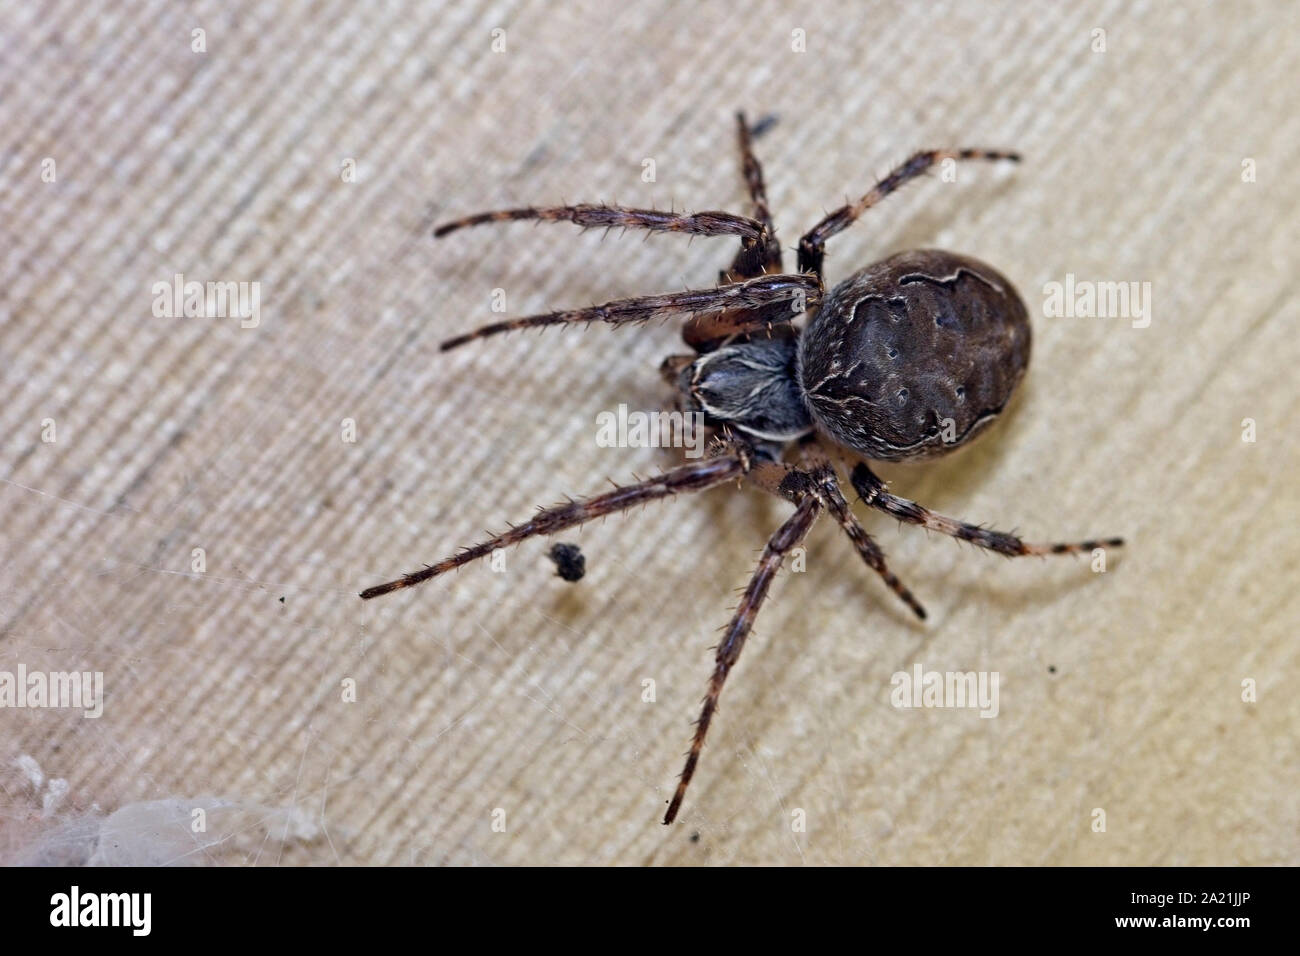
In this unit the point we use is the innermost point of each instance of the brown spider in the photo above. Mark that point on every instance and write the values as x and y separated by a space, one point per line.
907 359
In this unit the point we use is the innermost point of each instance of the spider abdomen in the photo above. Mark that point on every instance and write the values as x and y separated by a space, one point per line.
913 356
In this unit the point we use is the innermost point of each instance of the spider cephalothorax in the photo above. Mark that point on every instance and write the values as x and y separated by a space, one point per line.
906 359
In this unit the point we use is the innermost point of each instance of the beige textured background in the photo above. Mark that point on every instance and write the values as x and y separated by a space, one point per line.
513 690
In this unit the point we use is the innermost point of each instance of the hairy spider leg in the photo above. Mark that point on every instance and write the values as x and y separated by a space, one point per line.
825 484
873 492
818 476
812 247
606 216
799 290
786 537
706 332
695 476
765 255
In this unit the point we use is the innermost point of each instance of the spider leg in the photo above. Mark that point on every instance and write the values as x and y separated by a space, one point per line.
782 541
765 290
603 216
704 333
764 256
696 476
873 492
812 247
826 485
818 476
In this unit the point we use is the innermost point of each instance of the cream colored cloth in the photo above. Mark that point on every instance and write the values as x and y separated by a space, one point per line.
200 524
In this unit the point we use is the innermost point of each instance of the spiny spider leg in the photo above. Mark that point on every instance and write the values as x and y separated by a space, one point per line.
812 247
818 476
782 541
755 258
704 333
602 216
695 476
753 172
826 485
750 294
873 492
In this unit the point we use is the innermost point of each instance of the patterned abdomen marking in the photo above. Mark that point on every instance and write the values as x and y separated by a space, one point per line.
912 357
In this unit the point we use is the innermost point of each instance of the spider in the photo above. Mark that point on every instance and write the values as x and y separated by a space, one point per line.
907 359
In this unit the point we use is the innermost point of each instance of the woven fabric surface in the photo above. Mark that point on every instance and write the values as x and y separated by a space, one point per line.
191 503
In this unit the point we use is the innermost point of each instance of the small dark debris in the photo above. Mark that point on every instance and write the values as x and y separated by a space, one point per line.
1051 668
281 598
695 838
570 562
